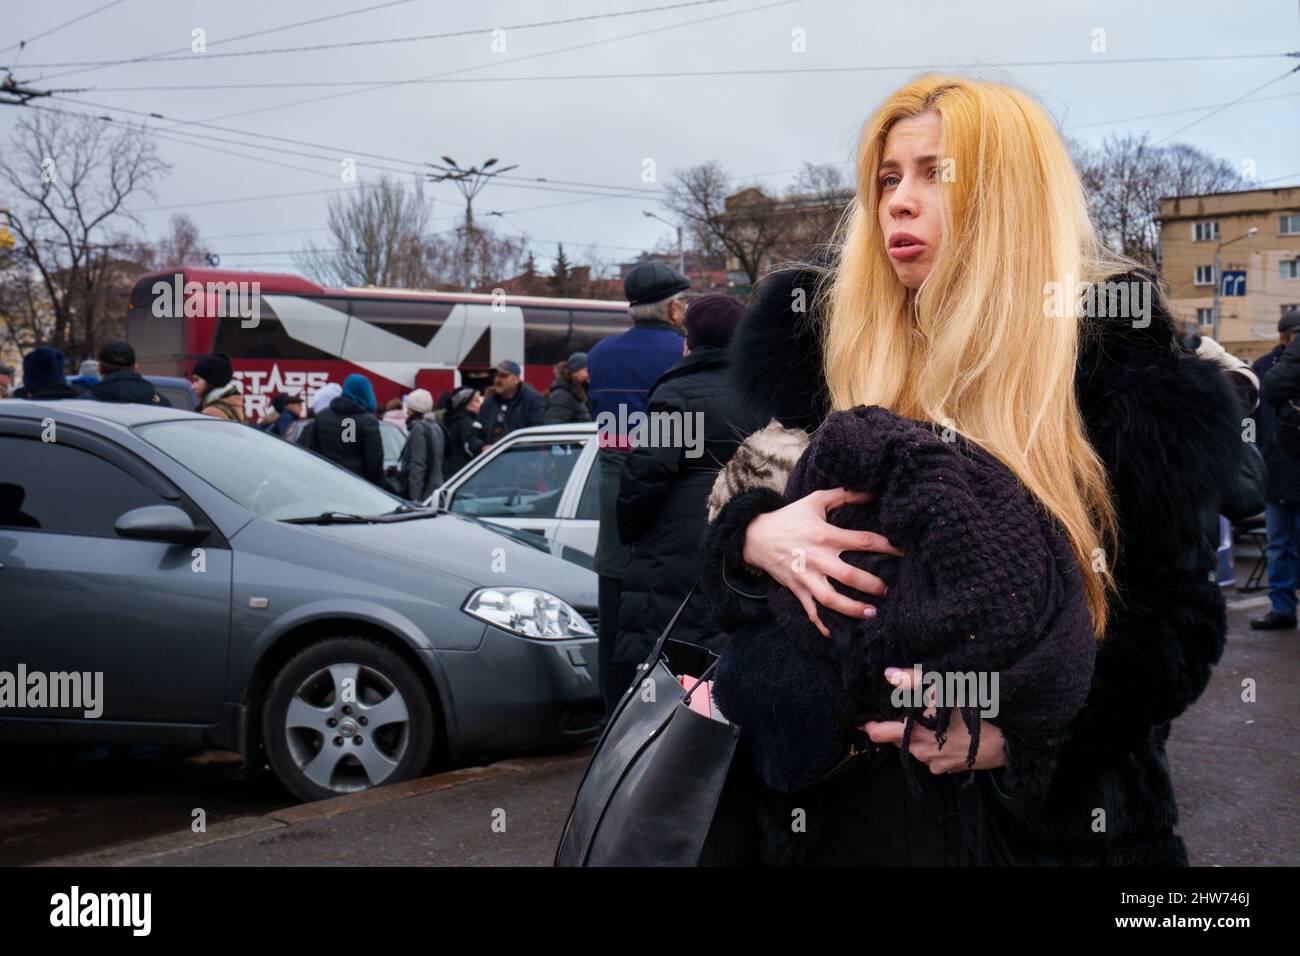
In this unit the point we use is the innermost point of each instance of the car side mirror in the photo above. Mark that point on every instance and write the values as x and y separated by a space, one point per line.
442 499
160 523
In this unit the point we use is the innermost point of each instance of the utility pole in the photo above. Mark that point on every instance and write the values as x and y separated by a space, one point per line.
681 249
470 182
1218 277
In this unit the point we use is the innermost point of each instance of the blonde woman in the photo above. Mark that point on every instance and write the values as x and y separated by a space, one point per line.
968 289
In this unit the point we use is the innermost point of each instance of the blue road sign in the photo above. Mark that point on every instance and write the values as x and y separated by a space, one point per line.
1233 283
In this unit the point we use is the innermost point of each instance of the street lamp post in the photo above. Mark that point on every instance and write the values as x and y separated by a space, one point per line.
1218 279
681 249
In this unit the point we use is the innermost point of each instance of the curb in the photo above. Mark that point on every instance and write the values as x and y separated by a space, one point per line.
151 848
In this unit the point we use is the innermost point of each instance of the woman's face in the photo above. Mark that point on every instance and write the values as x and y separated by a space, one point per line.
910 224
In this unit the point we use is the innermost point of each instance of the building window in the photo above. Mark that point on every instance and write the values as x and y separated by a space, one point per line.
1288 225
1205 232
1204 316
1290 307
1291 268
1205 275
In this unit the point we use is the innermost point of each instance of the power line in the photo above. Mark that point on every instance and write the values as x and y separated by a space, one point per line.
243 36
175 56
542 183
1189 109
1220 109
530 56
21 44
440 79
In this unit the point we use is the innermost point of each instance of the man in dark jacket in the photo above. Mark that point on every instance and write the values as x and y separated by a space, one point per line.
43 379
514 404
623 369
566 400
662 494
1167 429
1279 375
347 432
118 379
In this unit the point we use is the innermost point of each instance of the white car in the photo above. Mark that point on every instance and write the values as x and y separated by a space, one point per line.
540 480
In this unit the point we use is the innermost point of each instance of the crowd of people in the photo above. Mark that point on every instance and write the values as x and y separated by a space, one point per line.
342 420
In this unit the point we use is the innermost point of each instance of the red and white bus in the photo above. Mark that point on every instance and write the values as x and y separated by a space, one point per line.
287 334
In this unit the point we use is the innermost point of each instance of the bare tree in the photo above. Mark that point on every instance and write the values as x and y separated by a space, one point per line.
379 238
1127 176
744 225
71 179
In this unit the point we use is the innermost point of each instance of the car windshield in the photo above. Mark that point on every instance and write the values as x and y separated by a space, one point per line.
265 474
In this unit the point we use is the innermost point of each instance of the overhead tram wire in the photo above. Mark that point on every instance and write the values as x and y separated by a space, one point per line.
22 44
528 56
180 56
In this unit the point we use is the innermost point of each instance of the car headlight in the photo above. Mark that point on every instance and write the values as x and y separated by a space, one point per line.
527 612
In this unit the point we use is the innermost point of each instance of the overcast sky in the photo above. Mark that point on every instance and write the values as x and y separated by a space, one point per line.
596 129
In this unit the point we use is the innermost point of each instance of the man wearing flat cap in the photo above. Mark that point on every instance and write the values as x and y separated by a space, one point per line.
623 368
1279 376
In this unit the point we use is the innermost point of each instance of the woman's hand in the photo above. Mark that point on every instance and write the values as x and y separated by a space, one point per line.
800 549
925 748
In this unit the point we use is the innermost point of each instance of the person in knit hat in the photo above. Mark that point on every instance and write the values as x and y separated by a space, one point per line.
347 431
566 399
118 380
420 470
213 380
43 376
712 319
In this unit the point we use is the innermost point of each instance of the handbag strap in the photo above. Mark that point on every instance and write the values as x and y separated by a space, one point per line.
672 622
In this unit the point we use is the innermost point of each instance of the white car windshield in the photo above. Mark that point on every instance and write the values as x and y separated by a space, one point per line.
266 474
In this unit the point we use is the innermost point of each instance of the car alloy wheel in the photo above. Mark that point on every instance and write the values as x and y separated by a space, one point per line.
344 716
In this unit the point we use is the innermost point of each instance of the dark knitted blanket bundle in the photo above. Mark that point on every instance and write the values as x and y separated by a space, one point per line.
987 584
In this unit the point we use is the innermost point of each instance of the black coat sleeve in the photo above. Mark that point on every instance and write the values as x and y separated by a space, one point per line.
648 475
737 591
1167 427
372 450
1282 381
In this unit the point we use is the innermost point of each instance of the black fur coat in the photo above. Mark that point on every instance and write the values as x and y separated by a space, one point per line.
1165 426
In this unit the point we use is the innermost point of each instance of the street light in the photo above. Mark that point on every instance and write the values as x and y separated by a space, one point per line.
681 250
1218 281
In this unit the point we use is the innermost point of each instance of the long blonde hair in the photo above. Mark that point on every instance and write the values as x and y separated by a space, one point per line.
972 348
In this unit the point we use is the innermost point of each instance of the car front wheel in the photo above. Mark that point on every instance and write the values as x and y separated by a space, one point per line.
345 715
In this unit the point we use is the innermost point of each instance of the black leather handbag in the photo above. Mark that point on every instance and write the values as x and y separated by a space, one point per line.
664 786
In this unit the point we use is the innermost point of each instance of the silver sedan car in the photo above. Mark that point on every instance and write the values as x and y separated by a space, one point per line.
236 591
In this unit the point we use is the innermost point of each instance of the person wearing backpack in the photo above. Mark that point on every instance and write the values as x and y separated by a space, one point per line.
420 469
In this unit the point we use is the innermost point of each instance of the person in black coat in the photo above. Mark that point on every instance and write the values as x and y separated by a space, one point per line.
464 430
119 381
566 400
1165 425
663 490
347 432
513 404
1279 375
43 378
